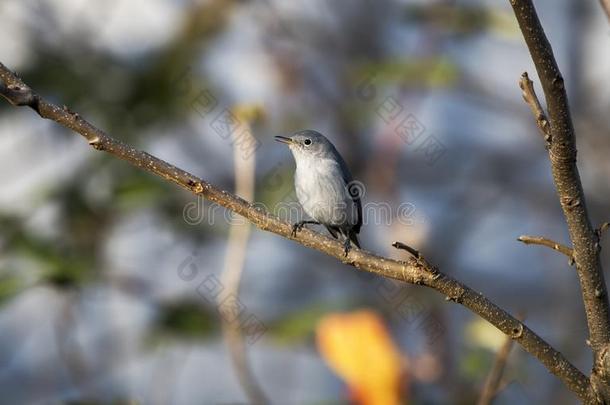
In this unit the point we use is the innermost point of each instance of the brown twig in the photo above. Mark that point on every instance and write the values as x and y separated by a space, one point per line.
494 378
420 260
562 153
409 272
539 240
412 251
530 97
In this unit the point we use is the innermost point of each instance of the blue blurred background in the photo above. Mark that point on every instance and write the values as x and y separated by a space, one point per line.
108 275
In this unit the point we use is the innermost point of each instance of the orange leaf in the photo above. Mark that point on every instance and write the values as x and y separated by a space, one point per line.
358 348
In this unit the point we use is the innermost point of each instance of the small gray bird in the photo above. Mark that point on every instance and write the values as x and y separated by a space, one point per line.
325 188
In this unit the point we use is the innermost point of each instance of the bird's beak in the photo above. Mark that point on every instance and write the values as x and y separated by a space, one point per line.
284 139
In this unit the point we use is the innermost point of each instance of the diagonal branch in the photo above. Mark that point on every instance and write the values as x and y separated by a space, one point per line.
412 271
539 240
562 153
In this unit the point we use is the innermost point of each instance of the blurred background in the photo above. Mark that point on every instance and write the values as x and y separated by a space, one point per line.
115 285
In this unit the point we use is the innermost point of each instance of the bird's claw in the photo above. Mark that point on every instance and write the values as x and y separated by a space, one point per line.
346 247
296 228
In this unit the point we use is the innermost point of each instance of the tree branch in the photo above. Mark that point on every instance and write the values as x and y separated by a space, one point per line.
412 271
562 153
539 240
530 97
492 383
235 258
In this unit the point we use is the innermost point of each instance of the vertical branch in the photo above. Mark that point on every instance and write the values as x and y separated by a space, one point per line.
492 383
239 234
562 153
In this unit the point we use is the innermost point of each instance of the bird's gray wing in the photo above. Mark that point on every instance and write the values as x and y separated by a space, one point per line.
353 190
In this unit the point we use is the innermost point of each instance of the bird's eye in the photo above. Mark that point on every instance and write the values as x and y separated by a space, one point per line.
307 142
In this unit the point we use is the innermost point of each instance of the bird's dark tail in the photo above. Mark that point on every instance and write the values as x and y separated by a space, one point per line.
353 236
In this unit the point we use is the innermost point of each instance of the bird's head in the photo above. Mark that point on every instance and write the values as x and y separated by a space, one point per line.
308 144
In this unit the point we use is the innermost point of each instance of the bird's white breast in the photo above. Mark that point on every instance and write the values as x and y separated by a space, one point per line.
322 192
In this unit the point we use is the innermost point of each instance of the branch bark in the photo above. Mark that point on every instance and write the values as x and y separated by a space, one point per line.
413 271
562 154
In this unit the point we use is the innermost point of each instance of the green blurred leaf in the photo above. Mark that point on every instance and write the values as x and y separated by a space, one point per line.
434 72
69 273
463 20
10 285
137 188
475 364
185 320
300 325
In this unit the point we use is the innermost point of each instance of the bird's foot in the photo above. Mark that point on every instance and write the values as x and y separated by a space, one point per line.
347 246
299 225
297 228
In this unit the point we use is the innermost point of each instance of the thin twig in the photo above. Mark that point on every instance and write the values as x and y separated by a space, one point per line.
530 97
494 378
539 240
412 251
409 272
420 260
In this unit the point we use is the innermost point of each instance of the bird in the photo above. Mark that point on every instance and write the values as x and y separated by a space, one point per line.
325 187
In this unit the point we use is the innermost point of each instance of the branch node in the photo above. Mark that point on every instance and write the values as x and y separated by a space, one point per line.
547 137
570 202
196 186
517 331
420 260
18 95
599 293
558 81
601 229
96 143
